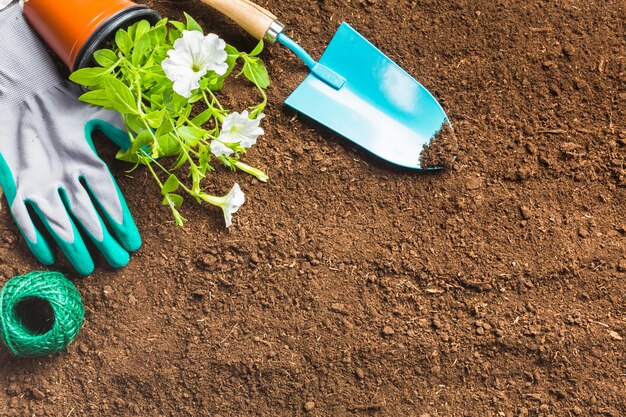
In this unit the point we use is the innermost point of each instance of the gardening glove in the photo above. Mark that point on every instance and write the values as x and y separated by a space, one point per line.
49 168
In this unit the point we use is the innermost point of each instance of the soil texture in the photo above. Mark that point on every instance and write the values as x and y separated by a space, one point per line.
349 287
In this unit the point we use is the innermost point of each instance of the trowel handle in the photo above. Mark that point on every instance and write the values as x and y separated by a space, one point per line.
253 18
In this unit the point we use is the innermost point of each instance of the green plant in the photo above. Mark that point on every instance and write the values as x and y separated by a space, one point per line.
163 79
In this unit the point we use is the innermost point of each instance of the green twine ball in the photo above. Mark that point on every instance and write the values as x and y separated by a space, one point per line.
40 313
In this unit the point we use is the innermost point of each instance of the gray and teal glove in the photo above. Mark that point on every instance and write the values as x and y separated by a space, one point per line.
49 167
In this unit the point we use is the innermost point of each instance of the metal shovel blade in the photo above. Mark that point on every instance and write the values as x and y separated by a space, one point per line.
380 107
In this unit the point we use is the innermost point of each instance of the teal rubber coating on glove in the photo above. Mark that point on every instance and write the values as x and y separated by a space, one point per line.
49 167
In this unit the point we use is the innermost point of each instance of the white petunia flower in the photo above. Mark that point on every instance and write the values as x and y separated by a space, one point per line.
219 149
192 57
239 128
231 203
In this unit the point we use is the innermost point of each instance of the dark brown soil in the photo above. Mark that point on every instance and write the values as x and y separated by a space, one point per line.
349 287
442 150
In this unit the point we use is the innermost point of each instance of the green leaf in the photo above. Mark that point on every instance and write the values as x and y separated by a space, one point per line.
185 112
97 98
258 49
134 123
89 77
168 145
174 101
122 99
182 158
254 70
202 118
170 185
155 97
191 135
196 96
191 23
217 83
142 139
105 57
127 156
123 41
142 47
203 162
158 35
155 118
165 128
231 50
143 27
131 31
173 200
178 25
231 54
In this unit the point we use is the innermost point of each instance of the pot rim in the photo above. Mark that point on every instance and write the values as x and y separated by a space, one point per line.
104 31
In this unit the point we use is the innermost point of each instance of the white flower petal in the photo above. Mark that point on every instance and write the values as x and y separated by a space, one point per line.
192 57
184 78
180 56
219 149
232 202
239 128
214 56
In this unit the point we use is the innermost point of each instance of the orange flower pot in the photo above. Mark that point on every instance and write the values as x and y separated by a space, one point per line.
75 29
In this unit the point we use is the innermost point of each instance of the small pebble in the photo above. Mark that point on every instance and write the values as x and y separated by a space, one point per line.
360 373
83 348
339 308
569 51
309 406
550 65
525 212
388 331
37 394
107 291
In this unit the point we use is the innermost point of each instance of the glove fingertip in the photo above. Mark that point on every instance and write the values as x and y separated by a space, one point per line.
40 247
83 266
133 242
42 252
126 232
120 260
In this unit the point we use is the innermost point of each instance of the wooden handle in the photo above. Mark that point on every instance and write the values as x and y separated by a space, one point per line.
253 18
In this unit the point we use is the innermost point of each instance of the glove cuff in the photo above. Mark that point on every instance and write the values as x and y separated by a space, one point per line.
26 67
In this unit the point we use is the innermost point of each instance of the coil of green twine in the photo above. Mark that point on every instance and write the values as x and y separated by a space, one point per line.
40 313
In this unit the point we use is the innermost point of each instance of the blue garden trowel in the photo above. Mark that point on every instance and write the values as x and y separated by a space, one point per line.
358 92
